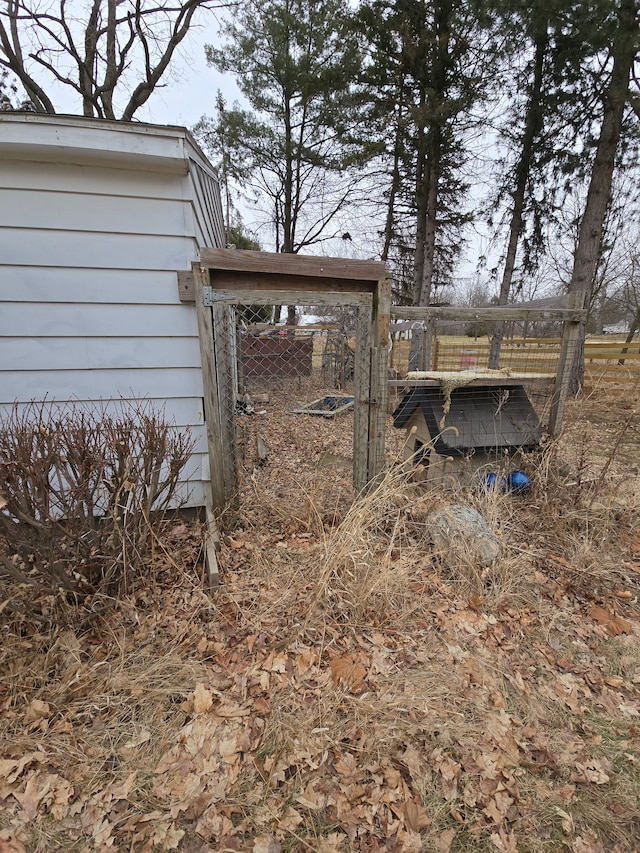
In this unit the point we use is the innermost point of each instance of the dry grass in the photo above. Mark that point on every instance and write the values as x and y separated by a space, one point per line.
347 688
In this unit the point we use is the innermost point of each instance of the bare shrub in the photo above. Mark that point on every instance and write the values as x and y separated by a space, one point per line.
79 485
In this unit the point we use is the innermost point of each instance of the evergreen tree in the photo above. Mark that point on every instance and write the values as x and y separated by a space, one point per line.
429 64
294 61
624 50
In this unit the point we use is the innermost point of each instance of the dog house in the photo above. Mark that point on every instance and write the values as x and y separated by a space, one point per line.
455 431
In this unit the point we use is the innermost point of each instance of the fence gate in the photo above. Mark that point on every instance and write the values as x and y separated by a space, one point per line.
225 278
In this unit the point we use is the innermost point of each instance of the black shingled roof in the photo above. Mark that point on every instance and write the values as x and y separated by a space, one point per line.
485 419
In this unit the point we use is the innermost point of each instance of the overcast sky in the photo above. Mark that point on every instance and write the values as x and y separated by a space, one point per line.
188 89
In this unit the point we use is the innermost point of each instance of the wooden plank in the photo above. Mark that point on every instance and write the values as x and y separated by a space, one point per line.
284 297
382 313
212 541
210 386
248 280
403 312
186 286
361 390
571 332
498 382
378 382
611 354
260 296
427 344
378 412
279 264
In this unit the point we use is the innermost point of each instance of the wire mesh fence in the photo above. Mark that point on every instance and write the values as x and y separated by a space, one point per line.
472 406
462 401
292 357
270 377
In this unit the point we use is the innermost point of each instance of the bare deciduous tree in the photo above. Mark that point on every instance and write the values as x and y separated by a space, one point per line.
108 51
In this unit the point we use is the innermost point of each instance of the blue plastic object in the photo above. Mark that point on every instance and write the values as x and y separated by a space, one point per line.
493 481
519 482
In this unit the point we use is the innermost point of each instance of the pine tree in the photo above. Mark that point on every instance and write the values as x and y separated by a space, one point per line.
429 64
624 50
294 61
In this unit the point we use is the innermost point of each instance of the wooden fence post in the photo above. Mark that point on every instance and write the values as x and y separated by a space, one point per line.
210 389
362 391
427 345
226 376
379 368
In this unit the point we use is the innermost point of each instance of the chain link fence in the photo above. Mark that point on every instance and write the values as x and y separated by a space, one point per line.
469 406
286 393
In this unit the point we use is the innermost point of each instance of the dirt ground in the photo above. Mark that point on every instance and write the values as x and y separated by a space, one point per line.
347 686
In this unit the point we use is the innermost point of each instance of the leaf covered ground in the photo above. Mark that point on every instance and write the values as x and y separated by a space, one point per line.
346 687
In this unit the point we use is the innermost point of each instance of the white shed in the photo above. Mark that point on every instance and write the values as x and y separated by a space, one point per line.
96 220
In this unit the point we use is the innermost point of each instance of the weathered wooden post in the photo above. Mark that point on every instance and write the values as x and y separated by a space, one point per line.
380 322
210 387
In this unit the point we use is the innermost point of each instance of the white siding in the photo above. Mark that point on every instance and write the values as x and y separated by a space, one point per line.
90 243
80 178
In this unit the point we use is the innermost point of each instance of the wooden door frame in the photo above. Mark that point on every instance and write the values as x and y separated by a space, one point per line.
232 275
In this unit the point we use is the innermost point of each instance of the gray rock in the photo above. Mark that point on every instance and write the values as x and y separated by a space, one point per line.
460 531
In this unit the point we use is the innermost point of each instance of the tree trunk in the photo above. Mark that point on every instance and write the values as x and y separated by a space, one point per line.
533 125
389 226
590 234
421 216
433 187
86 71
632 330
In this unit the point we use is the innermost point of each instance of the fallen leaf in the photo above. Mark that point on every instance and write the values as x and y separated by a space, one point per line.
613 625
600 615
346 765
498 806
36 790
137 740
591 771
349 671
623 594
9 842
266 844
566 792
557 559
415 816
202 699
618 626
587 843
442 842
566 821
504 841
36 710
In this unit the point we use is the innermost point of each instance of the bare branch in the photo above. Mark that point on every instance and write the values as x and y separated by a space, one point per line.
107 48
